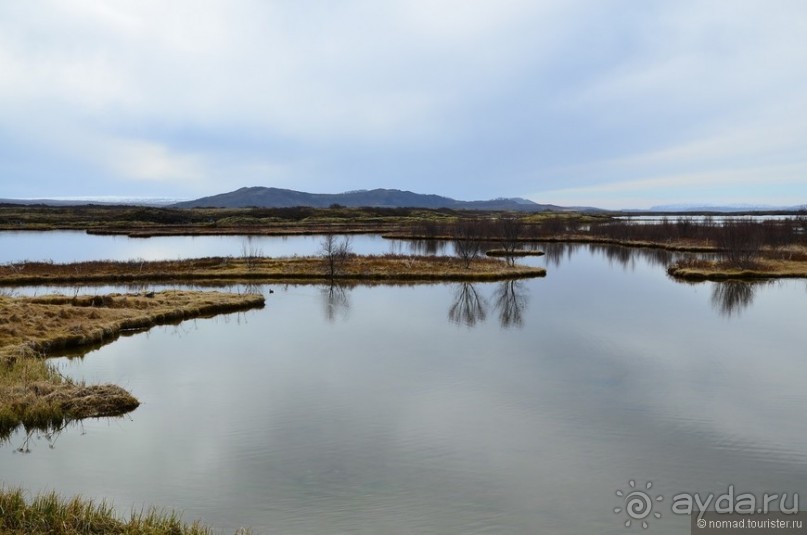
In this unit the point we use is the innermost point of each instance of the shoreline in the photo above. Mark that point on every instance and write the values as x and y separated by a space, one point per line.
718 271
32 328
47 513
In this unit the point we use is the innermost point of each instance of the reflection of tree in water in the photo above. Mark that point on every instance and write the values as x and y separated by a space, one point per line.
627 256
510 300
336 300
615 255
427 247
468 307
732 297
555 253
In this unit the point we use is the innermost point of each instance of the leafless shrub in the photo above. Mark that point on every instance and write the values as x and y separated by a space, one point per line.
467 238
740 242
509 230
335 254
250 253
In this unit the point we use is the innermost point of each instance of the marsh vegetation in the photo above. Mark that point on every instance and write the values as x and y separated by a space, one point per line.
50 514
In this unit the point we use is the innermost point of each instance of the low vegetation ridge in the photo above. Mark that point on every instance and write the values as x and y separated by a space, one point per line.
391 268
50 514
717 270
35 395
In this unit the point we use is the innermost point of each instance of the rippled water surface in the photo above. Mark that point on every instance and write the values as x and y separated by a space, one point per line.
487 408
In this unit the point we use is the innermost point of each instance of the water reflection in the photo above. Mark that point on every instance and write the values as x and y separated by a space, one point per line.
33 435
732 297
468 307
336 301
510 300
556 253
425 247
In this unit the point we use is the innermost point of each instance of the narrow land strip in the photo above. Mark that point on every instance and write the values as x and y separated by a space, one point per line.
716 270
388 268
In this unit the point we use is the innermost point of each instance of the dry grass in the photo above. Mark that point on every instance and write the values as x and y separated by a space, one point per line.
52 515
34 395
393 268
764 268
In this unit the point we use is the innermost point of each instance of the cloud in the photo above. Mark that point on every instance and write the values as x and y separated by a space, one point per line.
469 98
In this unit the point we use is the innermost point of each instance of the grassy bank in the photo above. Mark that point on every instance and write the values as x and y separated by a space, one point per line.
50 514
763 268
33 394
390 268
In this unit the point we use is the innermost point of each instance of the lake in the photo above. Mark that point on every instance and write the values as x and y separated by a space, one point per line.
488 408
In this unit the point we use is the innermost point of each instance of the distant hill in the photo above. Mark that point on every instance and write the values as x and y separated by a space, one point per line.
392 198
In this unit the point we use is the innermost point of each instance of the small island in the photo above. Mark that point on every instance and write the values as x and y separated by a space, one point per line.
255 269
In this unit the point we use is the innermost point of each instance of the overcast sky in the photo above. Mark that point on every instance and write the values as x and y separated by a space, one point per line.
606 103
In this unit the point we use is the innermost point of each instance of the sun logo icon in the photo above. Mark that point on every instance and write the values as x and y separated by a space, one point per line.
638 504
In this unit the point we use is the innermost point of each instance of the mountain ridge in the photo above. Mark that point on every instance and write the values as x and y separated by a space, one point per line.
269 197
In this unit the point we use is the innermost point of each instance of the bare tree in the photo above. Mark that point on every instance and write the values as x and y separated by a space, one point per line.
250 253
335 254
509 231
741 242
467 235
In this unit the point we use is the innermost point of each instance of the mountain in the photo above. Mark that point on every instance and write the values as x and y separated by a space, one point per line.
391 198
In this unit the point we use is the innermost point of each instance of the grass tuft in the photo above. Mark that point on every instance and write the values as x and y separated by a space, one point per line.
53 515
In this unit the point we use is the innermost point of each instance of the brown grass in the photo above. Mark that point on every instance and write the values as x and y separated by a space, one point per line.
392 268
764 268
33 394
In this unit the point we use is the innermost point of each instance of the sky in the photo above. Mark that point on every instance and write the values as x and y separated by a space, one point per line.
608 103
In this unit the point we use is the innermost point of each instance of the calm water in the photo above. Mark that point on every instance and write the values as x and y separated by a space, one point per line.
487 408
76 246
